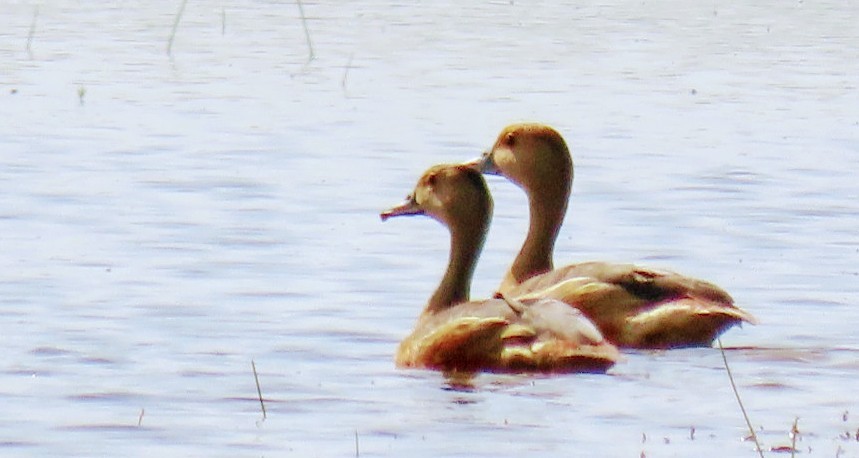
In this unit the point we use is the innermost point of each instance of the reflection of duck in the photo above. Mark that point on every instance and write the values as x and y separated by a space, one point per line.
633 306
532 334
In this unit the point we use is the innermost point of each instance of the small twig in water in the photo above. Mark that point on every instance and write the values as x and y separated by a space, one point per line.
739 401
357 453
259 391
223 21
794 431
32 31
306 30
140 418
346 72
175 26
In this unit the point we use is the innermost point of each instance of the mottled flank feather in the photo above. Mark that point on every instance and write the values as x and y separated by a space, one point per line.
464 344
500 335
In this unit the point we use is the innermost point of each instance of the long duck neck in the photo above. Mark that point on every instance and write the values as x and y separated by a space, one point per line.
465 245
547 205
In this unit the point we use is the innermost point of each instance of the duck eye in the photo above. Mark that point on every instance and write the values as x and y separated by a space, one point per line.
509 139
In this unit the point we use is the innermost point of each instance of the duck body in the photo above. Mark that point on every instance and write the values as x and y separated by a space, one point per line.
453 333
545 335
633 306
639 307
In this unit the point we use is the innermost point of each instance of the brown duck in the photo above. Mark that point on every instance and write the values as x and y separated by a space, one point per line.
633 306
456 334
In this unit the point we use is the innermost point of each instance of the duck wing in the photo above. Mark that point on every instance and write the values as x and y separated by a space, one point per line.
465 343
640 307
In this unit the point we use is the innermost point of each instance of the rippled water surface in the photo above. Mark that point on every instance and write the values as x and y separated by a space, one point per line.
167 219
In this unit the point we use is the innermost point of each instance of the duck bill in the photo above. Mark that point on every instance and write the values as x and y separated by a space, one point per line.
408 207
484 164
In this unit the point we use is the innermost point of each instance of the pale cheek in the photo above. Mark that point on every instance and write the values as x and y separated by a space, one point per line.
440 203
506 162
422 197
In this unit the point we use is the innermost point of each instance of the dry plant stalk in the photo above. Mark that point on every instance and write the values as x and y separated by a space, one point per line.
175 26
32 32
739 401
794 431
306 30
259 391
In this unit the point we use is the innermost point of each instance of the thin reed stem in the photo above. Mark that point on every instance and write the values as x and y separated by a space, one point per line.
32 32
223 21
259 391
739 401
794 431
306 30
175 27
346 72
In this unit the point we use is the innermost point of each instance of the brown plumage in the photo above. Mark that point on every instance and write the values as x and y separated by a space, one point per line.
633 306
502 335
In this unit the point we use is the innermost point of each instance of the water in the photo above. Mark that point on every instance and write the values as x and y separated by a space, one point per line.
164 221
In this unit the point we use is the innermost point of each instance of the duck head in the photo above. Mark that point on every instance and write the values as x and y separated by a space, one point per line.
451 194
533 156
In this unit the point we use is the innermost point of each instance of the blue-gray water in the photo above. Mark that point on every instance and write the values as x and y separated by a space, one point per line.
165 221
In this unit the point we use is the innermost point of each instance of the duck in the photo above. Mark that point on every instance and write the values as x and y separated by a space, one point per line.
457 335
633 306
